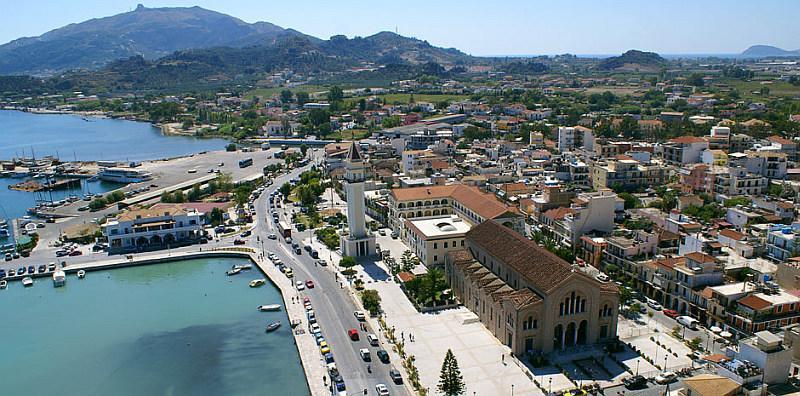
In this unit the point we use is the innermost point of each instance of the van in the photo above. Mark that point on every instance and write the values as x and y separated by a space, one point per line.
688 322
373 339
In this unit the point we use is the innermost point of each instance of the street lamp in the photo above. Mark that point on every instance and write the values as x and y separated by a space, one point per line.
512 389
637 366
665 363
551 385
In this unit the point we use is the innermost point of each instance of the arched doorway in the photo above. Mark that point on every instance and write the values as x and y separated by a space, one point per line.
155 240
142 241
558 337
582 330
569 338
169 238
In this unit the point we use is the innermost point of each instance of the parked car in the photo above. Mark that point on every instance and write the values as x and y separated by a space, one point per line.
635 382
654 304
688 321
670 313
382 390
666 377
360 316
238 242
309 284
383 356
322 263
396 377
372 339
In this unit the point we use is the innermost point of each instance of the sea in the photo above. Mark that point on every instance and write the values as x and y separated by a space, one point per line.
75 138
179 328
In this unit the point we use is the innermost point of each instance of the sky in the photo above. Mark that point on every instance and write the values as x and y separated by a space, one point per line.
481 27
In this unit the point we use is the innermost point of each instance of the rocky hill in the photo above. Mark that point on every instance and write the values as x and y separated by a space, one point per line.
633 60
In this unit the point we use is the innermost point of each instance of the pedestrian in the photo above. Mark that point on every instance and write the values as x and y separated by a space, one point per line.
503 358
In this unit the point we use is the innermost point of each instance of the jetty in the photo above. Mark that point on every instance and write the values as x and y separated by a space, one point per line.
34 186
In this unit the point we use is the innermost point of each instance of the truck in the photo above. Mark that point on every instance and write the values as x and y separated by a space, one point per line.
284 229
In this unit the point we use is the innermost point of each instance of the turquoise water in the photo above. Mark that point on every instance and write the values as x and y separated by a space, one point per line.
72 138
181 328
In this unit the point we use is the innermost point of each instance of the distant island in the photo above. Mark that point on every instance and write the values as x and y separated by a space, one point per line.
763 51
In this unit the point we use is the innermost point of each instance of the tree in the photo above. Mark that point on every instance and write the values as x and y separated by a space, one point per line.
371 301
285 189
301 97
630 200
230 147
303 149
451 382
390 122
695 79
335 94
216 216
348 262
318 117
286 96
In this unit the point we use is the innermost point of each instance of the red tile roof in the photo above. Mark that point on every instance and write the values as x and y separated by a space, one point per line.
755 303
687 140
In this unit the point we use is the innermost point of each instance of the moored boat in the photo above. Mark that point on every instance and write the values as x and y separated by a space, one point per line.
257 282
27 281
243 266
269 307
81 274
273 326
233 271
59 278
3 284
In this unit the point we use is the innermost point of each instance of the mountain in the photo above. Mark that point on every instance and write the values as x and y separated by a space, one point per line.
764 51
633 60
148 32
387 48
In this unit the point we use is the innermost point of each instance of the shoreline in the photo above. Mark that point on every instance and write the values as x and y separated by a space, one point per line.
305 346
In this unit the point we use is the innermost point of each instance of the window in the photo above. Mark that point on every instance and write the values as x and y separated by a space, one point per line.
435 245
462 243
435 258
445 245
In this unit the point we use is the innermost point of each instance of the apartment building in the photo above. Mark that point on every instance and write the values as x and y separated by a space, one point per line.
627 173
683 150
431 239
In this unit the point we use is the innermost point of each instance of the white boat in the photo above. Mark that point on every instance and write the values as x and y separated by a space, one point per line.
233 271
59 278
243 266
3 284
257 282
269 307
81 274
273 326
27 281
124 175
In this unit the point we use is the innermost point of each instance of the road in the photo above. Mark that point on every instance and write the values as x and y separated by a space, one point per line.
705 335
333 305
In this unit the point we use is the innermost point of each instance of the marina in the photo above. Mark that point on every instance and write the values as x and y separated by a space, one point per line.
181 316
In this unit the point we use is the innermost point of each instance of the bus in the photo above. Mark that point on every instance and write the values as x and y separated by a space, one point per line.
284 229
245 162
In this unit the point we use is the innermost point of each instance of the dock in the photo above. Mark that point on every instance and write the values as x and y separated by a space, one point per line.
34 186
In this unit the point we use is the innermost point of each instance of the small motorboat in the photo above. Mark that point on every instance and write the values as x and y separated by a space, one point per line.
233 271
269 307
243 267
59 278
81 274
257 282
273 326
3 284
27 281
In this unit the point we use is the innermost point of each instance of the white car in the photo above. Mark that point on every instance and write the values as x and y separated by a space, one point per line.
272 236
300 285
382 390
665 377
654 305
365 356
360 316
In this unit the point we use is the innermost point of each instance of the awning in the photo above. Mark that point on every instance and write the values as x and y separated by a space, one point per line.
725 334
715 329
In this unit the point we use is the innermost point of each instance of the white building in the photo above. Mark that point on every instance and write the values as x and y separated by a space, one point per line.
162 226
432 238
358 241
566 138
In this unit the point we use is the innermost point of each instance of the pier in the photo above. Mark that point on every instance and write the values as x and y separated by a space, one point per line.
34 186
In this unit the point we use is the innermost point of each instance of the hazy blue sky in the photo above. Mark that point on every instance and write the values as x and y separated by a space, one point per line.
487 27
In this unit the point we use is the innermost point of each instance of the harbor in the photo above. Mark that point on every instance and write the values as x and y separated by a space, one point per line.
237 332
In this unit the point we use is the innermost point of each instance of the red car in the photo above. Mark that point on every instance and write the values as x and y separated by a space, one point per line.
671 313
309 284
353 334
306 300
